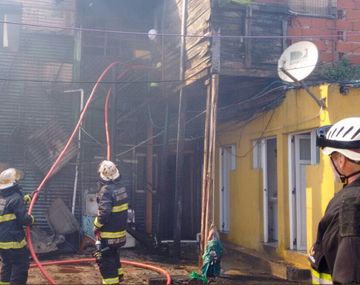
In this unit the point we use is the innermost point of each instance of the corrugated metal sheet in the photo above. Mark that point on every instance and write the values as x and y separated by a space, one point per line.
29 103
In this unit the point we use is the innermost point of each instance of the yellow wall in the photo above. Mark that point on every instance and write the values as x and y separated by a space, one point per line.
297 113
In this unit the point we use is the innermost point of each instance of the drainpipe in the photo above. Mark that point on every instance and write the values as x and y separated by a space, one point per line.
79 145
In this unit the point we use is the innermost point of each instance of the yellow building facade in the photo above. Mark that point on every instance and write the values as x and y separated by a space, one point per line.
272 183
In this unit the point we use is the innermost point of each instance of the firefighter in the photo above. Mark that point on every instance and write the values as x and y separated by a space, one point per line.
13 216
110 223
335 256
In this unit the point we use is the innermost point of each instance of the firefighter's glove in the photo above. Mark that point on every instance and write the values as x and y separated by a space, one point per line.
27 198
98 256
31 220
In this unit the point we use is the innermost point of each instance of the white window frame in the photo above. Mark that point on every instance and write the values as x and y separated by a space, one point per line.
226 152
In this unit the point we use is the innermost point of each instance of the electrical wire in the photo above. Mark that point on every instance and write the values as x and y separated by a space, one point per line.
252 98
261 135
117 82
262 93
91 137
92 82
151 118
320 36
155 136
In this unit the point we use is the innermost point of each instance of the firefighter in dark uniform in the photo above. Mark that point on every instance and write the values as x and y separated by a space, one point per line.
13 216
110 223
335 256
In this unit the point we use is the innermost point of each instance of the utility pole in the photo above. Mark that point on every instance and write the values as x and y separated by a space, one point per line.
165 140
180 138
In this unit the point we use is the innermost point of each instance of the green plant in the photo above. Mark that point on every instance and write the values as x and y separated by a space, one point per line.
241 2
342 70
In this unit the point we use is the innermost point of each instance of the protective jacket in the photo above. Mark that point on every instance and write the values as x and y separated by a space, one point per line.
337 248
13 216
112 213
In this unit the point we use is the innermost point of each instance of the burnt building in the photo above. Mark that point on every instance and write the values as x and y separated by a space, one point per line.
207 61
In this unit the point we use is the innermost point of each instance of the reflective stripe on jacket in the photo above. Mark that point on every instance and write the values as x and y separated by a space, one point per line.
13 216
320 278
112 213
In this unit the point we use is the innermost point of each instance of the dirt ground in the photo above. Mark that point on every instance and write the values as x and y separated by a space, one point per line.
235 270
89 273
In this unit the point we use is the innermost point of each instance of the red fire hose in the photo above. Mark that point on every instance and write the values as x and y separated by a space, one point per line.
50 172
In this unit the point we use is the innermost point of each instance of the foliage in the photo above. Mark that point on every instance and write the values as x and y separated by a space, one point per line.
241 2
342 70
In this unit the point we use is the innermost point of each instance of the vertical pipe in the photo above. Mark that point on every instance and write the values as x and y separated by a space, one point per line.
5 39
180 137
81 107
149 180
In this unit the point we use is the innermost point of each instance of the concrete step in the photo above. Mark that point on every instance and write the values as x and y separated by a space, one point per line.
267 262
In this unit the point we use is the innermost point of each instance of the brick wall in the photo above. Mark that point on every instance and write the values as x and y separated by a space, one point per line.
321 31
335 38
348 24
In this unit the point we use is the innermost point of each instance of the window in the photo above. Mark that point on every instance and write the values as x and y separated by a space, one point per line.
315 151
256 144
316 8
9 32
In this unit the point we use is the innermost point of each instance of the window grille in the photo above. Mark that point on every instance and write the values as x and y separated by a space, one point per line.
315 8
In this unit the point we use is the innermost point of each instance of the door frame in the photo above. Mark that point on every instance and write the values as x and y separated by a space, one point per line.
228 153
293 209
265 185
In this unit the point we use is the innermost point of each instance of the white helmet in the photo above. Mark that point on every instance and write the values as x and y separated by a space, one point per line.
108 170
342 137
9 177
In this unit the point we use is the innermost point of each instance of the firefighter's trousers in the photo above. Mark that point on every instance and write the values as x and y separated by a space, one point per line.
110 266
15 266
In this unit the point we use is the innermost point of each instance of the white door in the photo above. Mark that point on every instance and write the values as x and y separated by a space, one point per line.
270 203
300 157
226 159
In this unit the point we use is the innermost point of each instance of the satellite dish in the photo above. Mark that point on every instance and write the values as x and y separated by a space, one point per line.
298 61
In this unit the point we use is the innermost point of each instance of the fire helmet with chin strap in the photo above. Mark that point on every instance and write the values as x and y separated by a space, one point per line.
9 177
108 170
342 137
